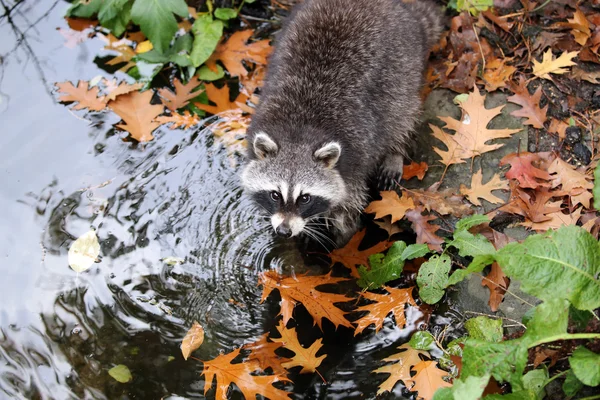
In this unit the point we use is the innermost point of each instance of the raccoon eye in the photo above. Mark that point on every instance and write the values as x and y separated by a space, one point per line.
275 196
304 199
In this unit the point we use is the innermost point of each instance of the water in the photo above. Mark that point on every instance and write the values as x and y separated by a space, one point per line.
64 173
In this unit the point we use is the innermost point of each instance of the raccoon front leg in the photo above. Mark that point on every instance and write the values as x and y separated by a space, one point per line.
391 171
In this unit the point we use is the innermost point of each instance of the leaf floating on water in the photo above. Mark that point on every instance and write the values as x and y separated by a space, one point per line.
120 373
173 260
192 340
84 251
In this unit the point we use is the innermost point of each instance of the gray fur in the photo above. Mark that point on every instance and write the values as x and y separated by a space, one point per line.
349 72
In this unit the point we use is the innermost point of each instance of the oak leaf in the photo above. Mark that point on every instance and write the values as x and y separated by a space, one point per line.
551 65
392 302
555 221
185 120
125 52
182 95
303 357
350 256
230 130
534 205
263 351
497 73
444 201
424 230
523 170
82 95
580 27
583 75
498 283
193 339
535 116
480 191
568 176
220 96
303 289
390 204
415 169
137 112
386 224
400 369
236 50
428 379
113 90
225 373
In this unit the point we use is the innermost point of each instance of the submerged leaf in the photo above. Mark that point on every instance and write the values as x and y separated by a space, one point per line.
84 251
120 373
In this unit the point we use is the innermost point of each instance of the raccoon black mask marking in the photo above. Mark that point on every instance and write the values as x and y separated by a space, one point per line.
339 104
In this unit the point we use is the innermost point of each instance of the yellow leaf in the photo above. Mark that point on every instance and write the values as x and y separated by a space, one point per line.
144 47
306 358
551 65
84 251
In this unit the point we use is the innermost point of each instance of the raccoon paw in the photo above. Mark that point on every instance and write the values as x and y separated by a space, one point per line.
391 172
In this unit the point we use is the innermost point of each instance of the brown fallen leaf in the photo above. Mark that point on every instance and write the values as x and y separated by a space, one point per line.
523 170
115 90
392 302
498 284
176 120
230 130
442 201
137 112
81 95
220 96
583 75
193 340
400 370
568 177
263 352
550 65
236 50
497 73
303 357
557 219
424 230
535 116
542 354
182 94
480 191
122 47
533 205
428 379
386 224
580 27
350 256
390 204
415 169
81 24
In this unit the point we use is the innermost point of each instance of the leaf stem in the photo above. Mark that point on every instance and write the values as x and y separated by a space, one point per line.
555 377
594 397
567 336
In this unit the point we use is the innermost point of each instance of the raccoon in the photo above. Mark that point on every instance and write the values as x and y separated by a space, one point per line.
339 104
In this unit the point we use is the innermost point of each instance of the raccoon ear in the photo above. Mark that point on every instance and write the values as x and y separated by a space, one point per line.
264 146
329 154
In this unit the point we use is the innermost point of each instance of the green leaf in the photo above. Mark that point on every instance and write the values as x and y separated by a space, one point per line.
571 385
471 245
586 366
467 223
415 251
207 33
120 373
178 53
558 264
535 381
485 328
505 361
155 18
550 318
433 278
596 190
115 15
474 6
580 318
383 268
518 395
206 74
82 10
477 265
422 340
225 13
470 388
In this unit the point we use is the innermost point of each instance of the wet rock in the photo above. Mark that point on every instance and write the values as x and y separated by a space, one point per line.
573 135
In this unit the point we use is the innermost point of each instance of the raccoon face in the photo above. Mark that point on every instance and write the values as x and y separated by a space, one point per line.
293 183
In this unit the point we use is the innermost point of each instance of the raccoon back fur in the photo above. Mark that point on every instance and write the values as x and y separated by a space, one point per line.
339 104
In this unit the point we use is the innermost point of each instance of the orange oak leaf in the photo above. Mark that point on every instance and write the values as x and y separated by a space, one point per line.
472 134
392 302
415 169
82 95
137 112
303 357
523 170
350 256
535 116
225 373
479 190
444 201
230 130
182 95
386 224
185 120
125 52
568 176
236 50
400 369
424 230
550 65
192 340
254 80
81 24
534 205
303 289
497 73
555 221
428 379
113 90
263 351
220 96
390 204
498 283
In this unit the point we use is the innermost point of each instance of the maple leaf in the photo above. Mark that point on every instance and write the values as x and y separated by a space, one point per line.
497 73
221 99
581 27
234 51
263 352
424 230
114 90
182 95
551 65
305 358
137 112
555 221
480 191
415 169
400 370
392 302
185 120
498 283
302 289
535 116
472 133
240 374
390 204
444 201
428 379
568 176
81 95
349 255
523 170
193 340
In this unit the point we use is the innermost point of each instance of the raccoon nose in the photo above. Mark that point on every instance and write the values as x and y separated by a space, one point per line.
284 230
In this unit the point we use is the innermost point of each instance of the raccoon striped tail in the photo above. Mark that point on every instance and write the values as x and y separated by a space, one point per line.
430 16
